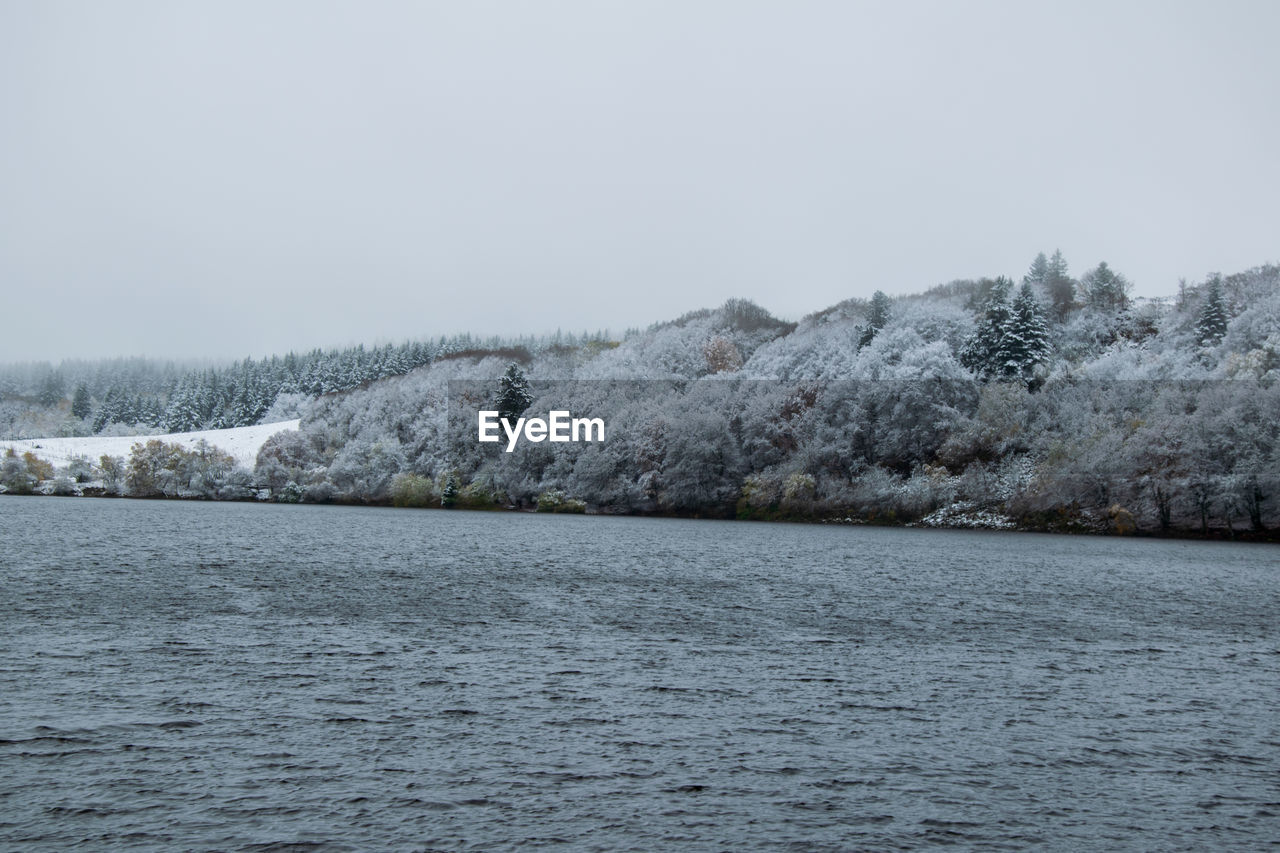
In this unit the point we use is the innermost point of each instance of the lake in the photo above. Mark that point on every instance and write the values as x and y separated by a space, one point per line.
267 677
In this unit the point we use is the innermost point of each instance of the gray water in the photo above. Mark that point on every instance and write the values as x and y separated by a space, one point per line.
229 676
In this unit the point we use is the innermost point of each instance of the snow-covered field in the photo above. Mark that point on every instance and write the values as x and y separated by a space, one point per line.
242 442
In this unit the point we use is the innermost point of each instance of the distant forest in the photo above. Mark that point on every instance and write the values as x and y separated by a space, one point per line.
135 396
1052 402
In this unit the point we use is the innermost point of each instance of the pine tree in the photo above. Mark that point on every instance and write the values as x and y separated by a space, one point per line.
107 412
1027 338
242 408
81 407
1212 323
513 394
1038 275
1057 267
183 412
877 318
152 413
1106 289
1059 287
52 389
987 351
449 494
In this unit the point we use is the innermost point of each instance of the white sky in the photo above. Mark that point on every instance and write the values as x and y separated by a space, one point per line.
241 178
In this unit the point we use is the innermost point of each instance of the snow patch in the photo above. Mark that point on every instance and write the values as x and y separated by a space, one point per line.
243 443
966 515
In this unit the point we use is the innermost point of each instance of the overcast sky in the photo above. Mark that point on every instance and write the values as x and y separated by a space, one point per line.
242 178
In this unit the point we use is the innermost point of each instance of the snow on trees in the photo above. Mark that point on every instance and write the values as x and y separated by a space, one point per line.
1105 289
158 468
1012 339
855 410
1059 287
81 406
877 318
987 352
1038 273
721 354
1027 344
1211 324
514 397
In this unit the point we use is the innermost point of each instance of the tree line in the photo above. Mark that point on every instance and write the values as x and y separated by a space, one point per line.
1053 403
143 394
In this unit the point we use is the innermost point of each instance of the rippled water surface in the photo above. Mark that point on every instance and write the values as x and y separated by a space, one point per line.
229 676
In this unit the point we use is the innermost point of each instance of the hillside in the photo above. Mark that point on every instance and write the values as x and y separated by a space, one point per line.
241 443
1052 403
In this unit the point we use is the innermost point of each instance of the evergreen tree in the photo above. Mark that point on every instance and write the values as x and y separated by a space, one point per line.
52 389
877 318
242 409
988 350
449 494
107 412
81 407
1059 287
1027 339
513 394
1106 289
152 413
1038 275
183 412
1057 266
1212 323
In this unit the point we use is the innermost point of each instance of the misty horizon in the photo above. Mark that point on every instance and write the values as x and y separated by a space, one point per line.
482 337
232 180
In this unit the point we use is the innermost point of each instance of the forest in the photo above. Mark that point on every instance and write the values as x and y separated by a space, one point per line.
1047 403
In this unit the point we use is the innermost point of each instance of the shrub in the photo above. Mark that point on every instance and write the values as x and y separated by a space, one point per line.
476 495
721 355
157 468
37 467
556 501
113 472
290 493
1122 520
14 475
412 490
798 492
319 492
80 469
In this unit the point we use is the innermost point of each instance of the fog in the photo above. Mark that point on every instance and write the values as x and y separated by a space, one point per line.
233 178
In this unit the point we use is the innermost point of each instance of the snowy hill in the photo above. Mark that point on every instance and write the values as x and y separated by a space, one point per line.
241 442
1053 404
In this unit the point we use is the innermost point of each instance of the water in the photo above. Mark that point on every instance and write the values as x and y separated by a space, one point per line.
228 676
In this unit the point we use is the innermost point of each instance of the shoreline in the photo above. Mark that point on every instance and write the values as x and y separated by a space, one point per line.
1012 525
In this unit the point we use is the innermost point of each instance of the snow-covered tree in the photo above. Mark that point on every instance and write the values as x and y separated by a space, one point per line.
449 492
81 406
722 355
52 388
987 352
1027 337
14 475
1105 289
877 318
1038 274
1059 286
514 396
1211 324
